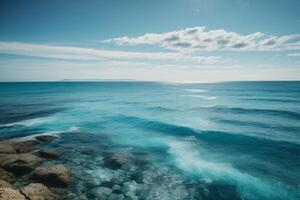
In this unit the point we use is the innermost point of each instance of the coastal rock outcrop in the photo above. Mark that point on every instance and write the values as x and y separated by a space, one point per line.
5 184
10 194
48 154
7 176
56 175
13 147
38 191
19 163
45 138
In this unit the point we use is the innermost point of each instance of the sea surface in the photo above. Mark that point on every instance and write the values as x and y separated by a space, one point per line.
234 140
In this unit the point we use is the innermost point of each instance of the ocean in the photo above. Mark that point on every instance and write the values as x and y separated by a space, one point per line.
231 140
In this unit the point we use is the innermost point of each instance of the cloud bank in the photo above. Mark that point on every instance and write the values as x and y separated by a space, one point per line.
200 39
79 53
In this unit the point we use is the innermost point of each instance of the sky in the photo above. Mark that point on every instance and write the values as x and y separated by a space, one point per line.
157 40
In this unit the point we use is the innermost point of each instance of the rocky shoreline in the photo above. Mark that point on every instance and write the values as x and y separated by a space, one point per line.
20 161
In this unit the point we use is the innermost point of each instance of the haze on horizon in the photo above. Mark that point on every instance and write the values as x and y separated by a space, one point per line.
169 40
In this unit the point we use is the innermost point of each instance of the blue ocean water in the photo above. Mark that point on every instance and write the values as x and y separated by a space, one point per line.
235 140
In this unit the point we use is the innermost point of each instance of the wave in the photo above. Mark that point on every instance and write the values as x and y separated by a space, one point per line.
72 129
237 110
190 159
196 90
32 137
160 108
201 96
29 122
257 125
262 148
15 118
271 100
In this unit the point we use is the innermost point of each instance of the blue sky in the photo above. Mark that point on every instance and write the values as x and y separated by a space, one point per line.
165 40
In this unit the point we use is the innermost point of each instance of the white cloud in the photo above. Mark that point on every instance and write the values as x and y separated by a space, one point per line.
79 53
199 39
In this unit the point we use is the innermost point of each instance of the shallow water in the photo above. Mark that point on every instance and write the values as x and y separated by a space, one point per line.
238 140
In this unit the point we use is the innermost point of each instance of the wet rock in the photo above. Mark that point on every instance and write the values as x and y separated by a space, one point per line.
5 184
25 146
98 176
7 176
19 163
118 160
10 194
130 189
117 189
56 175
48 154
38 191
45 138
7 147
12 147
101 192
116 197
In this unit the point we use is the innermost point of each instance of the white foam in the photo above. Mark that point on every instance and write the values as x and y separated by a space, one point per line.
191 160
29 122
73 129
32 137
201 96
196 90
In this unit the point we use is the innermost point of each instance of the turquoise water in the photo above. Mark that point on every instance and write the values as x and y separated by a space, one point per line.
238 140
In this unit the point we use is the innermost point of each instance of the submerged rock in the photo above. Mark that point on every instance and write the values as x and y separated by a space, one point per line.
45 138
56 175
7 176
38 191
101 192
116 197
48 154
19 163
118 160
10 194
5 184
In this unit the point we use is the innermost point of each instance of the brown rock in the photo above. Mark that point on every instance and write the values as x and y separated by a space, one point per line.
19 163
45 138
11 147
118 160
6 146
25 146
7 176
5 184
38 191
48 154
10 194
56 175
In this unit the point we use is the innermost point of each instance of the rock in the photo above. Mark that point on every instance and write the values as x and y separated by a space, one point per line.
45 138
48 154
6 146
56 175
116 197
7 176
19 163
10 194
37 191
117 189
101 192
116 161
5 184
12 147
25 146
